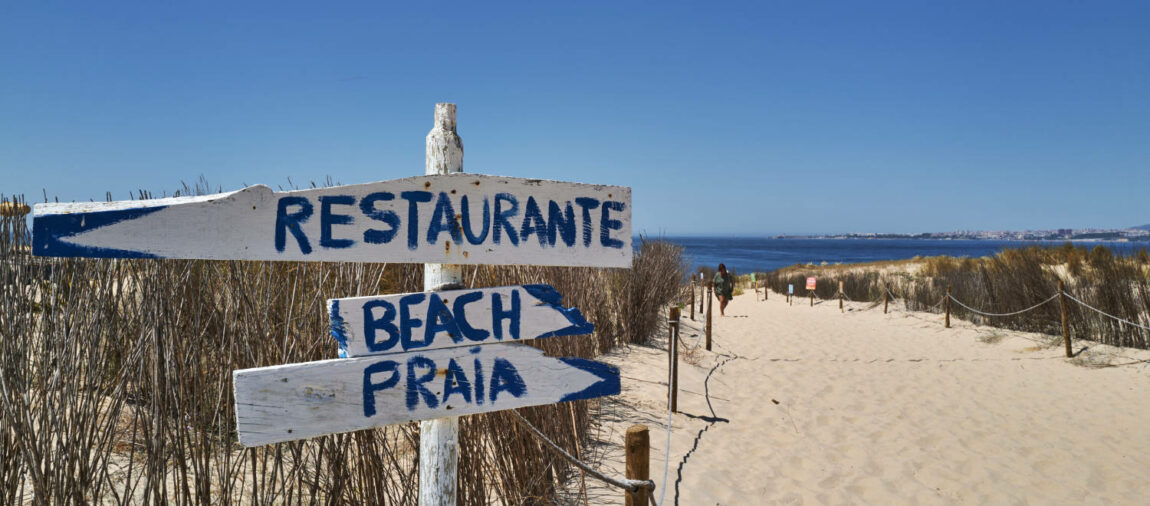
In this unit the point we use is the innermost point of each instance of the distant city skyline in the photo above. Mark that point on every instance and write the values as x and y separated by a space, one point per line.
746 119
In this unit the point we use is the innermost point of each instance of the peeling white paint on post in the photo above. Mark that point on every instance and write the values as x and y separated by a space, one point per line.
439 438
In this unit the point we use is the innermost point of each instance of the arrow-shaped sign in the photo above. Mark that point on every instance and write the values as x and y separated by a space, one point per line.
425 321
452 219
296 401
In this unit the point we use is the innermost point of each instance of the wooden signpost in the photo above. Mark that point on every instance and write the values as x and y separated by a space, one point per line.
429 356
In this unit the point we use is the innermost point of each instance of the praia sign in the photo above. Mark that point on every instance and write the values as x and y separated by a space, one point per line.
295 401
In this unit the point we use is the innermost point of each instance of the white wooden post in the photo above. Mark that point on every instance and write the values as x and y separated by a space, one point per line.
439 438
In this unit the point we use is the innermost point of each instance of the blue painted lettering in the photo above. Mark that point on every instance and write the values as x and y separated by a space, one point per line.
460 310
587 204
505 378
456 382
443 218
414 198
370 387
479 391
371 324
501 224
606 225
439 319
415 388
407 323
286 221
367 205
471 237
561 222
328 218
498 315
533 223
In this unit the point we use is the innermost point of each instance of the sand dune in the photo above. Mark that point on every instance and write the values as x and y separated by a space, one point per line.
802 405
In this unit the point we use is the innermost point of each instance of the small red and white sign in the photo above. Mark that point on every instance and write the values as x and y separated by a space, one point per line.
811 283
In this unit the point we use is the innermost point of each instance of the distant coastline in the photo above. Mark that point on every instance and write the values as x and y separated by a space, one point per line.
765 254
1139 234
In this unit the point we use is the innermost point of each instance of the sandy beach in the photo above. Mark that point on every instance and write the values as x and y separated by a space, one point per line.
809 405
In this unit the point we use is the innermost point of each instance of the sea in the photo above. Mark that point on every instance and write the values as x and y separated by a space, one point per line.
761 254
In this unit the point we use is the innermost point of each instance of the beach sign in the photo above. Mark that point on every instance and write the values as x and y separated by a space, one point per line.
811 281
451 219
790 289
296 401
425 321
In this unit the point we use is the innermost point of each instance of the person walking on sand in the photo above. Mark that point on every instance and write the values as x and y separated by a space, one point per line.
724 288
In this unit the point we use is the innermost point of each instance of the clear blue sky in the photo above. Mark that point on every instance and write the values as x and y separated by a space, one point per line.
724 118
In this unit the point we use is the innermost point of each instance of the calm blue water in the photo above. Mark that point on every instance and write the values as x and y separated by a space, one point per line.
745 254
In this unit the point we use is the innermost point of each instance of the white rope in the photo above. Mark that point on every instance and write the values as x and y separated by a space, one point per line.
932 308
1052 297
629 485
1099 311
698 339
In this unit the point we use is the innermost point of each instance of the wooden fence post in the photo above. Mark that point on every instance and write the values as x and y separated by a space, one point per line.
766 291
1065 320
692 298
812 298
885 299
709 297
947 303
673 356
439 437
841 310
638 463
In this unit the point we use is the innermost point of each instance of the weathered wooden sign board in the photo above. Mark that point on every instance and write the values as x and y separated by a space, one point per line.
296 401
424 321
450 219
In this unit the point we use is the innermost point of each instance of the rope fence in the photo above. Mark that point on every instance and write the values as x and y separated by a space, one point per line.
1027 310
1103 313
949 297
631 486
